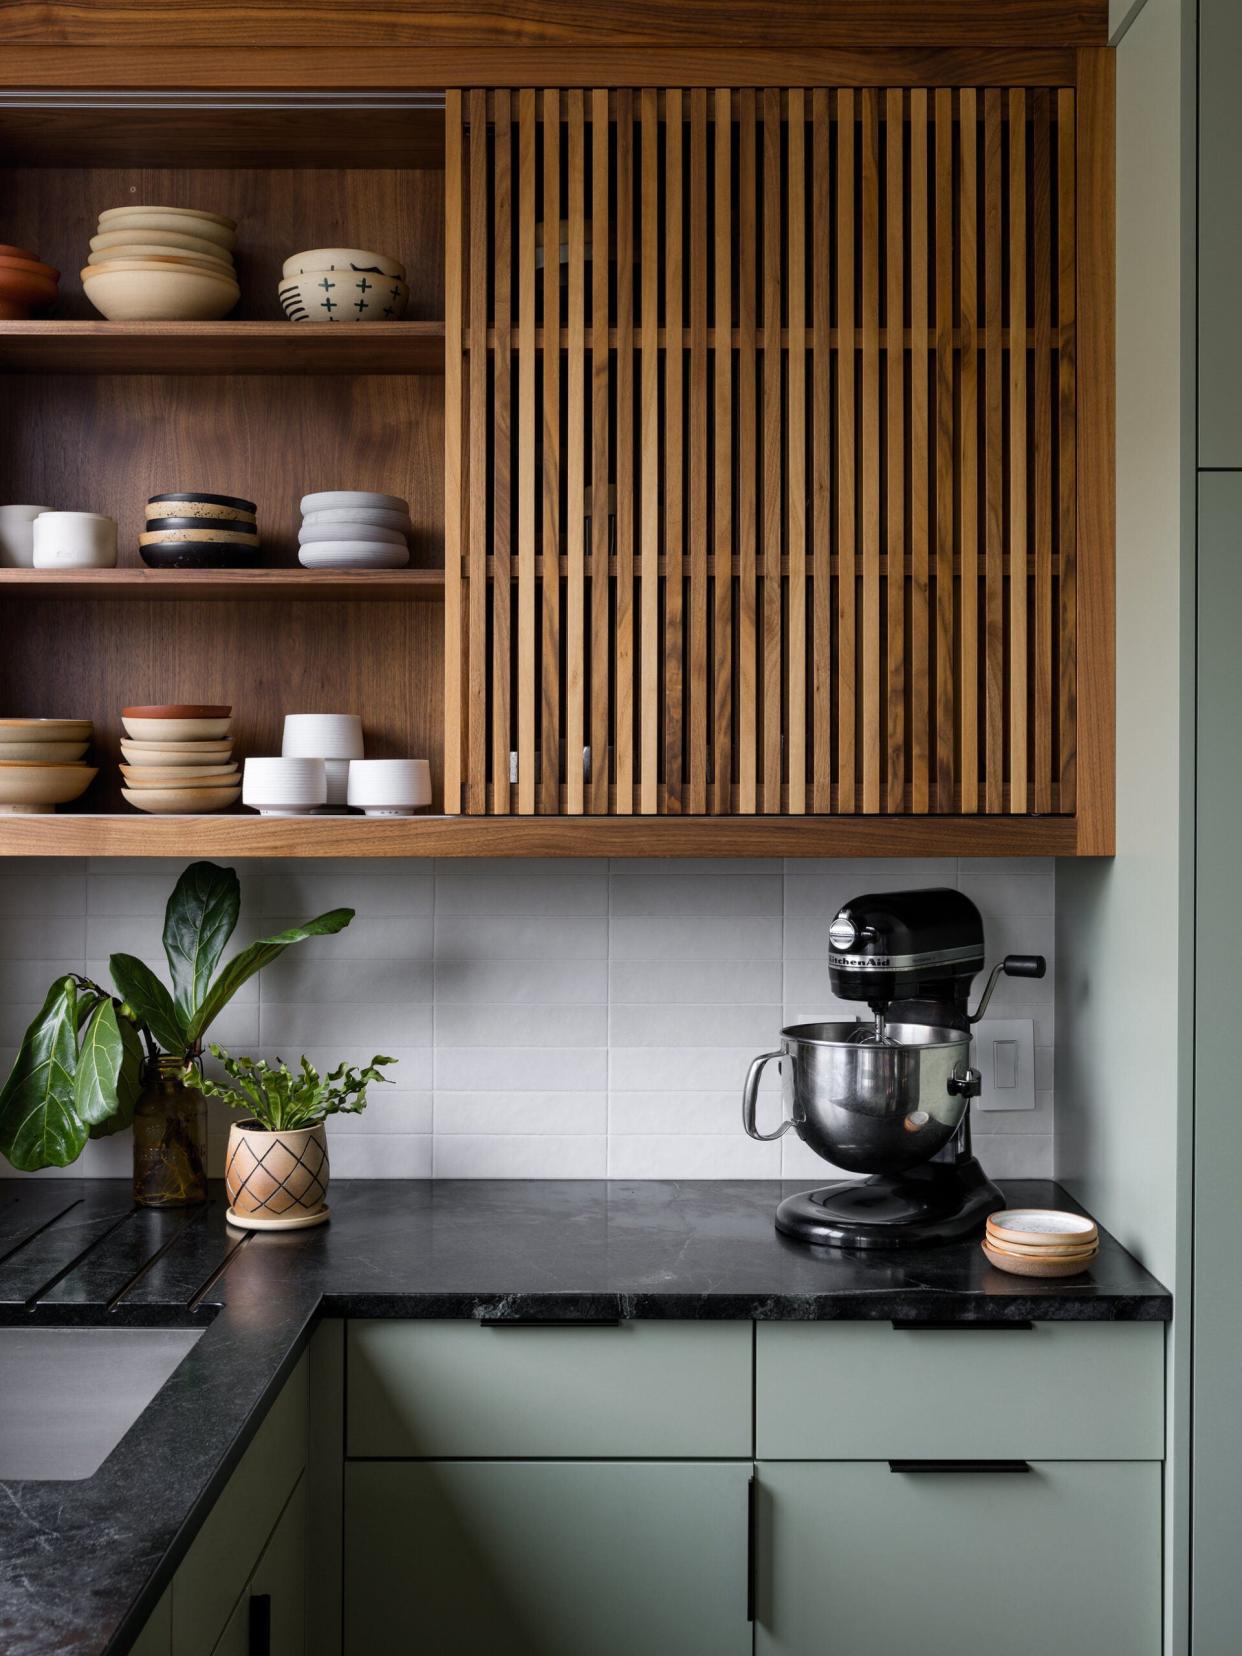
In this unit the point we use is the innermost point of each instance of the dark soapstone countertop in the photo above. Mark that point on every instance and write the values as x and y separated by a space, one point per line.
84 1562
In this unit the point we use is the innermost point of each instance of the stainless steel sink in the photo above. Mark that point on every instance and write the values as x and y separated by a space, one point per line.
69 1395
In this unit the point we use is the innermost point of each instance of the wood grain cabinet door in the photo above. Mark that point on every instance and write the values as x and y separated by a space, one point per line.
762 451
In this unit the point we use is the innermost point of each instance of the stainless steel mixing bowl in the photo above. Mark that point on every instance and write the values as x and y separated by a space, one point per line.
867 1107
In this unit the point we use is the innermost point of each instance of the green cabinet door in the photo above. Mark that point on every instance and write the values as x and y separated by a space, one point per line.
856 1560
546 1558
274 1602
156 1637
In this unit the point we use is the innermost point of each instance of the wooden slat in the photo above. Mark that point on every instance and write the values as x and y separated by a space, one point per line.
821 454
476 706
895 483
920 475
968 461
649 712
1096 494
1067 450
674 491
795 461
1041 445
601 399
527 482
994 624
747 462
945 687
772 412
454 491
1017 687
502 437
722 457
575 471
699 703
869 139
550 734
847 510
624 622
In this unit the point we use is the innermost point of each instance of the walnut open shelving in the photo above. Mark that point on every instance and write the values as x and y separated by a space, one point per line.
236 347
324 585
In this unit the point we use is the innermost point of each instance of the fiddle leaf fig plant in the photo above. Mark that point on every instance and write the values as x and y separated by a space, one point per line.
281 1099
77 1071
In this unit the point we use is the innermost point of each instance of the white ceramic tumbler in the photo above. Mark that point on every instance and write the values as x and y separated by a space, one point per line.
389 787
17 535
74 540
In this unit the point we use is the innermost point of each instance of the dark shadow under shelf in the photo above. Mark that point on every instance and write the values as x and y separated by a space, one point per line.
222 347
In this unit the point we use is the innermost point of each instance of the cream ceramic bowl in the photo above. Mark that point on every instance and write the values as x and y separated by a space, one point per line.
110 214
163 754
176 730
17 535
341 258
312 533
159 294
41 787
59 753
46 730
204 777
166 219
375 517
162 256
74 540
181 801
181 241
347 500
343 296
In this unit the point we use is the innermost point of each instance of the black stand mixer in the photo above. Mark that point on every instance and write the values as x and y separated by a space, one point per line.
889 1096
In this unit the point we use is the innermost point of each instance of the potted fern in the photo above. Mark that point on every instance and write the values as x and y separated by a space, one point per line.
95 1061
276 1167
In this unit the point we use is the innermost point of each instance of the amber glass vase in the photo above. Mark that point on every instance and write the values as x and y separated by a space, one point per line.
170 1138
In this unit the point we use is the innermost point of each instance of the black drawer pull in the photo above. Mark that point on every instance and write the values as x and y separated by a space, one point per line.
260 1629
549 1322
917 1466
913 1327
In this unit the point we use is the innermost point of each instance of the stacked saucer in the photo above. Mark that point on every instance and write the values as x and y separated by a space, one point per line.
354 529
1041 1242
178 758
169 264
42 763
193 530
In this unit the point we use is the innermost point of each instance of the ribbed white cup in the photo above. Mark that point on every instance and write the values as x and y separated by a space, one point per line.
322 736
284 787
389 787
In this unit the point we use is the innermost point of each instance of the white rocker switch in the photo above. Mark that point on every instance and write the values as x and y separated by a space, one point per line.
1005 1058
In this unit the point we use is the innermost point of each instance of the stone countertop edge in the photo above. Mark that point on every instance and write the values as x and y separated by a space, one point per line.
86 1561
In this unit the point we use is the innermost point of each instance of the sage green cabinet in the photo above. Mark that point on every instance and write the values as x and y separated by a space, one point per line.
1220 240
539 1558
156 1637
856 1560
274 1601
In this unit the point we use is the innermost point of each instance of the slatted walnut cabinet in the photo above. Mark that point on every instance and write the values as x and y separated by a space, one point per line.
755 411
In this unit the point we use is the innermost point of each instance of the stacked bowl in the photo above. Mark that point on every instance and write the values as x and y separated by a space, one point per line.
178 758
162 264
354 529
26 283
285 787
343 284
1040 1242
42 763
336 738
193 530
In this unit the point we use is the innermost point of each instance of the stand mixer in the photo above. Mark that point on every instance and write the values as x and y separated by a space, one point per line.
889 1096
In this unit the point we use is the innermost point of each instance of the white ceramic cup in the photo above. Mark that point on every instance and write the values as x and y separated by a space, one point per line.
17 535
322 736
284 787
389 787
74 540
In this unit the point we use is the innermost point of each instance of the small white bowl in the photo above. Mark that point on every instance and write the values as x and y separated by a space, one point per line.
329 500
284 787
353 555
389 787
343 296
17 535
74 540
322 736
341 258
312 533
378 517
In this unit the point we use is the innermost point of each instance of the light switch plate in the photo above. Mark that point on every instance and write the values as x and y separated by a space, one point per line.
1005 1059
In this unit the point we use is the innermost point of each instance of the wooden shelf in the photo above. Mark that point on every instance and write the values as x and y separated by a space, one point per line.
222 347
402 585
132 835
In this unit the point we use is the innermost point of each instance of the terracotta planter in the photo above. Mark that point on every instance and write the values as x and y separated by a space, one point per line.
277 1178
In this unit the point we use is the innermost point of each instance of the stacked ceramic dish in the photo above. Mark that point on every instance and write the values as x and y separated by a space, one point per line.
336 738
26 283
389 787
42 763
193 530
285 787
178 758
354 529
162 264
343 284
1041 1242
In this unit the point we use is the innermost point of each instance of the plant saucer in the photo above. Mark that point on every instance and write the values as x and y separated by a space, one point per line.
296 1221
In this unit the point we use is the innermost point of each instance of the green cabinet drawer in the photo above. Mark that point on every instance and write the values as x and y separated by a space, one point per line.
156 1637
225 1551
854 1560
868 1391
276 1591
538 1558
450 1390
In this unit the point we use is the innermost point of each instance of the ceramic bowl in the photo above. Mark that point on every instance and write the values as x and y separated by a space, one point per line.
60 753
187 776
337 500
352 555
343 296
322 736
199 555
312 533
135 220
284 787
46 730
191 503
389 787
160 257
24 285
11 252
215 526
74 540
377 517
177 725
341 258
110 214
32 786
1019 1265
1054 1228
219 534
17 535
159 295
28 263
148 755
179 241
181 801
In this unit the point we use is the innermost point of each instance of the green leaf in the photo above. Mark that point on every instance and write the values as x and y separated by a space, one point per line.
39 1126
100 1056
152 1005
199 920
128 1084
243 966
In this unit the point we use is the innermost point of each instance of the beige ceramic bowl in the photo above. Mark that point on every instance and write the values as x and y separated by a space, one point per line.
45 730
164 219
342 296
225 535
180 241
111 213
40 787
179 776
200 509
159 294
177 730
181 801
149 755
161 256
60 753
341 258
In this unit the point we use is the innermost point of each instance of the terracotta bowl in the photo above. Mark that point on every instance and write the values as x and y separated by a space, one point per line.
276 1175
177 730
159 294
26 286
18 253
40 787
177 710
27 261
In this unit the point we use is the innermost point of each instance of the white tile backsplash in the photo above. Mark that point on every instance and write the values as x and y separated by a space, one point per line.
551 1019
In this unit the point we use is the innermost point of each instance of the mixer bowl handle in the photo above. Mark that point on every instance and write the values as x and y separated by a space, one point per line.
750 1097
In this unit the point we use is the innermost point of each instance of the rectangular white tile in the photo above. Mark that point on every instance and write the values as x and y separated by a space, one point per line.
528 983
346 1025
42 936
384 1156
567 888
739 868
694 1026
302 978
510 1113
521 1069
698 1069
521 1026
367 937
676 982
710 1157
25 890
389 1110
28 981
560 937
677 1112
703 937
800 1162
301 889
1014 1155
530 1156
635 891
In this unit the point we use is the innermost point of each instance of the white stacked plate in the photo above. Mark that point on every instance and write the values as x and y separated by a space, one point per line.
354 529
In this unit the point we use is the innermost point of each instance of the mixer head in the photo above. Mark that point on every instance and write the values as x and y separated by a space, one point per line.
902 946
